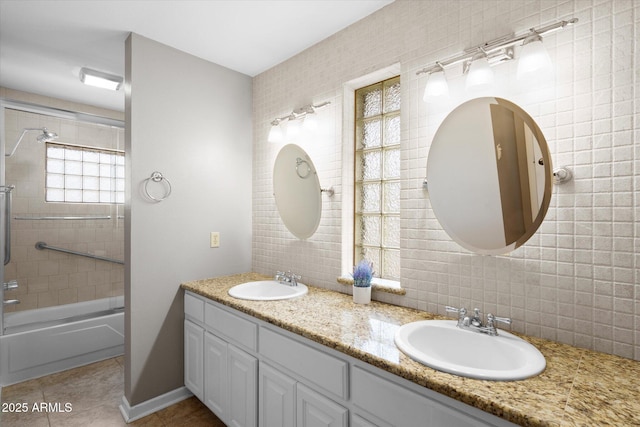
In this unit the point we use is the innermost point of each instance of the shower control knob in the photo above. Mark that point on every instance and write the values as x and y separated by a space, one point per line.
11 284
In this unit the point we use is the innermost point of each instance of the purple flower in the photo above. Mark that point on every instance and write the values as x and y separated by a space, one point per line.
362 274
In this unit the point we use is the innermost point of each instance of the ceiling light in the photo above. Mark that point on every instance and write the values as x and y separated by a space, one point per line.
534 58
99 79
480 74
436 87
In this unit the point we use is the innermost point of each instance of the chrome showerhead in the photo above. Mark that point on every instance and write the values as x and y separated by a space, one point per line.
47 136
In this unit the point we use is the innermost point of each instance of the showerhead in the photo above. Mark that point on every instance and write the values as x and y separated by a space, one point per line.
47 136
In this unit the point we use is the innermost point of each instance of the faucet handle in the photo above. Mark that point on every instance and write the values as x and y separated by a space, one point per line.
491 323
450 309
460 311
491 319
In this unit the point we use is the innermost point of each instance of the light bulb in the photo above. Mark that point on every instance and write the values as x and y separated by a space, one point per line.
436 87
293 129
275 133
310 123
480 75
534 59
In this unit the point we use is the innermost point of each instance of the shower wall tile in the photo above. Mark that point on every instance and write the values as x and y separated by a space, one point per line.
48 278
577 280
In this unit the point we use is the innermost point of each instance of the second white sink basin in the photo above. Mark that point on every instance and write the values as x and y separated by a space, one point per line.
267 290
441 345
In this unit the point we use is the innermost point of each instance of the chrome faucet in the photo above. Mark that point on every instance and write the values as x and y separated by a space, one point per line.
475 323
287 278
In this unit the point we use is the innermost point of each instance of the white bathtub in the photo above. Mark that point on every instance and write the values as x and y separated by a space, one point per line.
47 340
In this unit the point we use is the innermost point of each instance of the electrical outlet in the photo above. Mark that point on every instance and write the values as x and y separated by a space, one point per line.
215 239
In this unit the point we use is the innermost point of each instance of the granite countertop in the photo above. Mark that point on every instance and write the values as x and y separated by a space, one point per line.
578 387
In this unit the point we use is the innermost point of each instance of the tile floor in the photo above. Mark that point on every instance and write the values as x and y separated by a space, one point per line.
94 392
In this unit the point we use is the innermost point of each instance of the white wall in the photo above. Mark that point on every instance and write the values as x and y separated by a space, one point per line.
190 120
578 279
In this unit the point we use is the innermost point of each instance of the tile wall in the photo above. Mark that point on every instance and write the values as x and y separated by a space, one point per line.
48 278
578 279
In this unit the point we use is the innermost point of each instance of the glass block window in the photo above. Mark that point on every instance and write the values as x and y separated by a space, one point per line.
76 174
377 177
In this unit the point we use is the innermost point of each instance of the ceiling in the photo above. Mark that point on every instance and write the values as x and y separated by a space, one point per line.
43 44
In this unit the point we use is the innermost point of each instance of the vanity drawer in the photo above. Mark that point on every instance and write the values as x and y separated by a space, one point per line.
193 307
234 328
319 368
397 405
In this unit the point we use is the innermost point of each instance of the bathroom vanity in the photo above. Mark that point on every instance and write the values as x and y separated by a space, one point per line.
321 358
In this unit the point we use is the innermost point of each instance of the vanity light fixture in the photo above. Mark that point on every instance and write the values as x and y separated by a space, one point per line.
480 74
294 126
100 79
534 58
437 85
275 133
304 117
499 50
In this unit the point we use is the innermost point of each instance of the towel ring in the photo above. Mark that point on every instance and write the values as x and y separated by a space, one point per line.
157 177
300 161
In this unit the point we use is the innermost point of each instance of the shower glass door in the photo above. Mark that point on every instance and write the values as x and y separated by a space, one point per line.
64 174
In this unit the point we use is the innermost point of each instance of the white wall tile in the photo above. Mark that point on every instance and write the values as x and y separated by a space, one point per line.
577 280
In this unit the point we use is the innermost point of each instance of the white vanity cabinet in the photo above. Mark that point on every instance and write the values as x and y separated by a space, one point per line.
396 405
277 398
215 374
284 402
255 373
315 410
229 377
193 362
193 345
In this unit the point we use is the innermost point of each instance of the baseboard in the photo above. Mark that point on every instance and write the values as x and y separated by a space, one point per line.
132 413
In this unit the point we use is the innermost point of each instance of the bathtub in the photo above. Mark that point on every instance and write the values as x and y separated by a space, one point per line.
47 340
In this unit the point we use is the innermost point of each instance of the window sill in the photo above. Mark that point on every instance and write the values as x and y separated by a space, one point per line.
379 285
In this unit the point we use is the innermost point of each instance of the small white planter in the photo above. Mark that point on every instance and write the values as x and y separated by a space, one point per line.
361 295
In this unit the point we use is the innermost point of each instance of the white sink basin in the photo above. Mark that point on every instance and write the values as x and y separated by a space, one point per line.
441 345
267 290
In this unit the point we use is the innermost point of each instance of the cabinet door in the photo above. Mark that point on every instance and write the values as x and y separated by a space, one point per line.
215 382
315 410
243 388
277 398
193 364
358 421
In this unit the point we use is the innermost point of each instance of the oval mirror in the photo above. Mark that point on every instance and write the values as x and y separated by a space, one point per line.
297 191
489 176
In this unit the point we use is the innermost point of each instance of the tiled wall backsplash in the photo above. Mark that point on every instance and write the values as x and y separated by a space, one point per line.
578 279
48 278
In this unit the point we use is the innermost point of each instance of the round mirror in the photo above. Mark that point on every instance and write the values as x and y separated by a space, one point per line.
297 191
489 176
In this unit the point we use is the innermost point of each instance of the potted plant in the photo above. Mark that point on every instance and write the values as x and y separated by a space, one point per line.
362 275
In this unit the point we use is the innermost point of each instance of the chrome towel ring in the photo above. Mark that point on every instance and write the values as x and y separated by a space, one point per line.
157 177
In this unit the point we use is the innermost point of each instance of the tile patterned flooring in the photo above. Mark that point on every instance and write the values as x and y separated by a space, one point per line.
94 392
